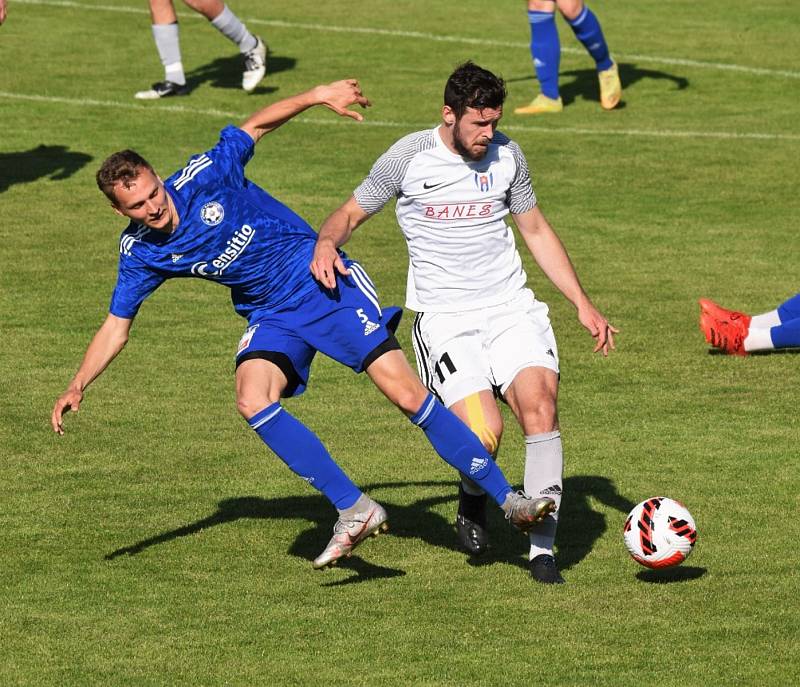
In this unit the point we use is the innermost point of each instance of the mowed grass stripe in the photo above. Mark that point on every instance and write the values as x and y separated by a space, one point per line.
570 131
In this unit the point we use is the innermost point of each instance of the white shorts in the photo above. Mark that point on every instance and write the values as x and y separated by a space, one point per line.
462 353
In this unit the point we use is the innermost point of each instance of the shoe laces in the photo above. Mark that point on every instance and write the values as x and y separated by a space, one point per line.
343 525
516 498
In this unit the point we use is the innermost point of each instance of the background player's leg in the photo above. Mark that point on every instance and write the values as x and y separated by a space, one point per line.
546 55
783 325
788 310
167 38
532 397
230 26
587 30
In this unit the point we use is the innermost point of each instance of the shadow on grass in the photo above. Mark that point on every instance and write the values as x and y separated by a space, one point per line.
582 83
55 161
579 528
580 525
681 573
226 72
757 354
415 520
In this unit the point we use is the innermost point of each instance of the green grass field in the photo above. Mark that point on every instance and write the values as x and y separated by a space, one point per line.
159 543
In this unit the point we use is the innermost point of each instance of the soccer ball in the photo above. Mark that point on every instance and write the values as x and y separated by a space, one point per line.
659 532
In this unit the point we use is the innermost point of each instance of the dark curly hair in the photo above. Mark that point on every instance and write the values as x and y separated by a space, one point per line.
122 167
472 86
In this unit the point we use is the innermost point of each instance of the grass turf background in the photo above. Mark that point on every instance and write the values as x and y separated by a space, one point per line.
157 542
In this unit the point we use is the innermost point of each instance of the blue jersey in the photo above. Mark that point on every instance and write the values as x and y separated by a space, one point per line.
230 231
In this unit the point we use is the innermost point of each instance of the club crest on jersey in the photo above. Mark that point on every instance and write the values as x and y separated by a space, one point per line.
212 213
483 181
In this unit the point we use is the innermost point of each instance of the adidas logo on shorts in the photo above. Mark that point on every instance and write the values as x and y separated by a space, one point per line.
370 327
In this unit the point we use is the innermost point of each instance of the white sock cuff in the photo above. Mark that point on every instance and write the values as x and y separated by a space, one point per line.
223 17
766 320
538 438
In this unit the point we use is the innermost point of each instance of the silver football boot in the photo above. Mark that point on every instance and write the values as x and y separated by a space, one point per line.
347 534
524 511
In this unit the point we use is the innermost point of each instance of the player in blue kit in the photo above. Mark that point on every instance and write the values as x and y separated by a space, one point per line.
208 221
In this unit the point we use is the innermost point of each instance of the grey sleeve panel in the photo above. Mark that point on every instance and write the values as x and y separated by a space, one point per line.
521 196
385 179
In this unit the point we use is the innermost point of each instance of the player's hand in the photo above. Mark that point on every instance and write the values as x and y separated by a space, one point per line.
599 327
69 400
339 95
326 263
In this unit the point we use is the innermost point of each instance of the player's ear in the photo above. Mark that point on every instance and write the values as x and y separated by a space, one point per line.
448 115
116 209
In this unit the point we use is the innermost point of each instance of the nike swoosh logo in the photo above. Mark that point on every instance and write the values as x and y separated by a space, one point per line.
354 538
427 186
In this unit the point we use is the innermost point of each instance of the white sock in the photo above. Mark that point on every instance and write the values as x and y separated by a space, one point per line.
229 25
544 467
758 339
766 320
470 487
358 507
168 44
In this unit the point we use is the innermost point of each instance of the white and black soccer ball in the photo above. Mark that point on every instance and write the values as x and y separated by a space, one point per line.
660 532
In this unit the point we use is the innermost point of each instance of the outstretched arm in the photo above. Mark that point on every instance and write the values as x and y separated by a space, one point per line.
335 232
552 258
109 340
336 96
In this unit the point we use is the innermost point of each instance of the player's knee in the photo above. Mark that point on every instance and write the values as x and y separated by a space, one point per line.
249 404
540 417
541 5
208 8
409 397
489 432
570 9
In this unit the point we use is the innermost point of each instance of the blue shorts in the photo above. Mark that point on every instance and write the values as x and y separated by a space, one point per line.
346 324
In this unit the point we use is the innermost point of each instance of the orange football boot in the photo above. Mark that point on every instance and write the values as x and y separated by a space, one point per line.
726 335
723 314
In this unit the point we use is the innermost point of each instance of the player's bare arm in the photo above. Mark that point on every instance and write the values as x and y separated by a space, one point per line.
106 344
334 233
551 256
337 96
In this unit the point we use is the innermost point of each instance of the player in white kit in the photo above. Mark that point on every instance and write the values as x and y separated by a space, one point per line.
479 331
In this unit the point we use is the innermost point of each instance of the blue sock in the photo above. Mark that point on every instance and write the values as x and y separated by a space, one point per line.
786 334
587 30
790 310
545 50
458 446
303 452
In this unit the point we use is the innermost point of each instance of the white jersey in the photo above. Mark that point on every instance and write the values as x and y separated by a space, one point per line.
452 212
